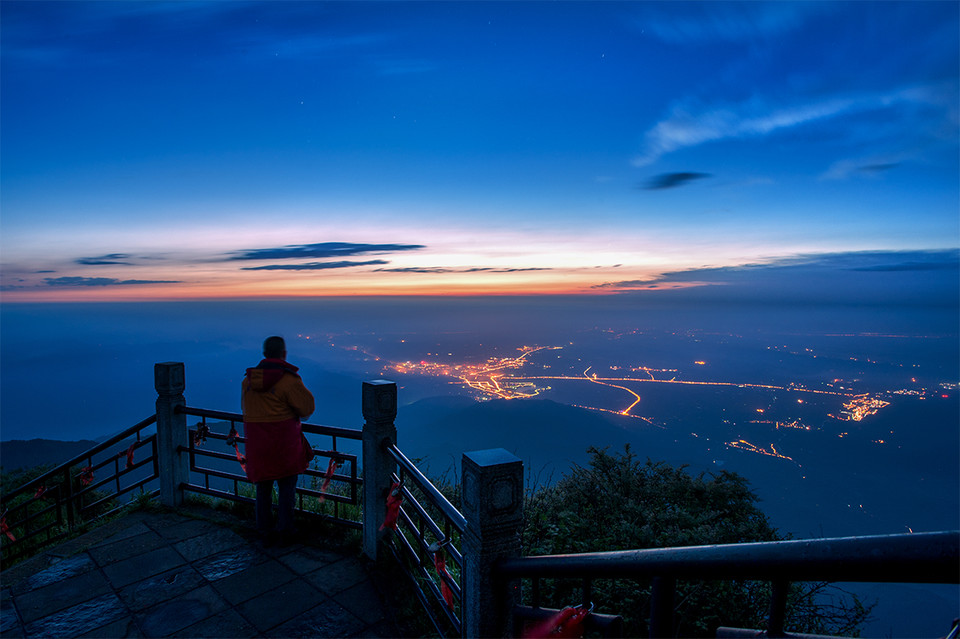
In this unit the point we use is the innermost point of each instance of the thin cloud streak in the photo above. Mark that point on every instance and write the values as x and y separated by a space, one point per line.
312 266
322 249
691 125
72 281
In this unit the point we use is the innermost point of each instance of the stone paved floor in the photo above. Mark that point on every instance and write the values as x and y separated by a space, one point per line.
179 575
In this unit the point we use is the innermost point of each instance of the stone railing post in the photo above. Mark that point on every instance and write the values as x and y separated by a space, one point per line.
493 507
379 432
168 379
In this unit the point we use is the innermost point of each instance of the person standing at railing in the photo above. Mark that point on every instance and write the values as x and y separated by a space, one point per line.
274 400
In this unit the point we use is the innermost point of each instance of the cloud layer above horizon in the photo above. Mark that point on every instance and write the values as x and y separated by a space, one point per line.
158 150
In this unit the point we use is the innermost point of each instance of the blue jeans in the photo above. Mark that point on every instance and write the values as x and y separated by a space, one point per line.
287 489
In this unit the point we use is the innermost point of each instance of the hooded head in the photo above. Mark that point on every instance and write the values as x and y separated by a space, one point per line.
274 348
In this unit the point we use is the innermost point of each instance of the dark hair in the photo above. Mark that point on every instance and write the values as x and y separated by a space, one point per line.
274 347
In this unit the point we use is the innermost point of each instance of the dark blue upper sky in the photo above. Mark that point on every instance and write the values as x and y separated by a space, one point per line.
488 147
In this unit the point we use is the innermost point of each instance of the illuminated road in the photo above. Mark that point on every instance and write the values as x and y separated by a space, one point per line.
501 378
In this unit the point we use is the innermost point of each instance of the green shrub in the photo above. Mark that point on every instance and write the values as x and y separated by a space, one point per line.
617 502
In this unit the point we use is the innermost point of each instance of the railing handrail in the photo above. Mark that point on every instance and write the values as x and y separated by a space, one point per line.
930 557
319 429
449 510
99 448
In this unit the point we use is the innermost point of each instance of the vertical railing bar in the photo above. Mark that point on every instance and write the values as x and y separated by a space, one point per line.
353 483
69 500
587 592
661 606
778 608
421 538
535 592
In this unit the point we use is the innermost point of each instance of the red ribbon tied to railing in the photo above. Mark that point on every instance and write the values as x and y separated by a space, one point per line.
130 450
328 476
85 475
200 437
41 490
4 528
232 441
566 623
394 499
440 564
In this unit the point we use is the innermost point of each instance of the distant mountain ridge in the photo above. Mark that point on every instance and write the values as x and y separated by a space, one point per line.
19 454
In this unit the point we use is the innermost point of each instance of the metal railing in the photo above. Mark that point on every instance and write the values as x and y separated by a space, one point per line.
224 477
422 545
905 558
88 487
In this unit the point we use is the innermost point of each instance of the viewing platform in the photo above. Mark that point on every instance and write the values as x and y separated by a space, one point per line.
192 573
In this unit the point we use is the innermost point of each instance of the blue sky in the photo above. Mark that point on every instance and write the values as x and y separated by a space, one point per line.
209 149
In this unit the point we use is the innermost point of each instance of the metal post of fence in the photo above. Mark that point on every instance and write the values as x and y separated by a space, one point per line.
492 484
379 432
172 437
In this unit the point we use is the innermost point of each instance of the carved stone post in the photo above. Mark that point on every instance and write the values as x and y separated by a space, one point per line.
493 507
168 379
379 432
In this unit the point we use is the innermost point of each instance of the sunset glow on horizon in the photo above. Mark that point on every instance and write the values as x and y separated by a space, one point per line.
210 150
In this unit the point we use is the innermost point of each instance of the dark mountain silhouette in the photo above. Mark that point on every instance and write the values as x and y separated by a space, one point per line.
19 454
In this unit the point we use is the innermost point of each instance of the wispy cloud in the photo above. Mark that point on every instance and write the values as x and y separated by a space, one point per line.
321 250
100 281
105 260
312 266
441 269
873 277
858 167
692 122
691 23
672 180
689 126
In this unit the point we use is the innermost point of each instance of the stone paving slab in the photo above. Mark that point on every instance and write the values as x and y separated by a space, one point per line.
79 619
209 543
338 576
228 562
357 600
110 553
62 594
178 575
58 570
280 604
185 529
123 628
307 559
134 529
228 623
179 613
128 571
254 581
9 620
326 619
167 585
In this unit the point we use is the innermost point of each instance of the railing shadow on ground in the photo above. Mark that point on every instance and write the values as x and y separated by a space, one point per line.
464 566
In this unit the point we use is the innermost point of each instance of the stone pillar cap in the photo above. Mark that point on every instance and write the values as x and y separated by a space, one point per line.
492 457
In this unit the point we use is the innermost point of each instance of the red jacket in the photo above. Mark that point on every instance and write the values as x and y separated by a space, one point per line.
274 400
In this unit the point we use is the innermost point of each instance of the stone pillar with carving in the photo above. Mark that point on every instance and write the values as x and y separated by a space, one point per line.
168 379
493 507
379 432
